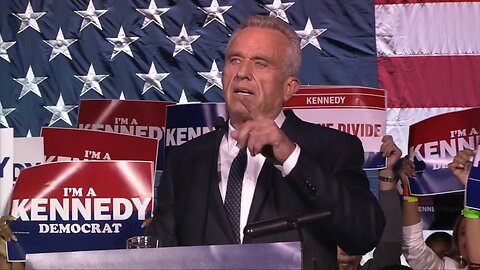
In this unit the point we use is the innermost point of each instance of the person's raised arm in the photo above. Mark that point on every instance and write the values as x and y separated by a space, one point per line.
460 167
410 203
389 248
416 252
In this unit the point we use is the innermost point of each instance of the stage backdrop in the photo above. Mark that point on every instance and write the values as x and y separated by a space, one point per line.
425 53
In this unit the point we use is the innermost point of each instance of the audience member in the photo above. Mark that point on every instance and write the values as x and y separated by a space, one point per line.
389 249
460 167
440 243
415 250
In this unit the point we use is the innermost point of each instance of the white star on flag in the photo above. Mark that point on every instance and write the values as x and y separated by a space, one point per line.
214 13
60 112
183 98
152 79
29 18
152 14
91 81
30 83
90 16
60 45
183 42
214 77
309 35
4 45
121 43
277 9
3 113
122 96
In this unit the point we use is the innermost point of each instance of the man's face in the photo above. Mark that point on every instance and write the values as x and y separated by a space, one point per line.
254 82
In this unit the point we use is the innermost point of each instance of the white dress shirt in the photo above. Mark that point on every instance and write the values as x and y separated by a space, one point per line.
228 151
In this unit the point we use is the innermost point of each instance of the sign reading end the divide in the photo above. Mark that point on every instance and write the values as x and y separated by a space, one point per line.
356 110
432 145
71 206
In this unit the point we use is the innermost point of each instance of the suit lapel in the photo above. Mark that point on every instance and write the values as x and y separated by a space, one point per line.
216 207
268 175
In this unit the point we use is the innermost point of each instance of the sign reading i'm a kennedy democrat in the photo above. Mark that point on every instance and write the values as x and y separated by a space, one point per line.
71 206
66 144
433 143
359 111
136 117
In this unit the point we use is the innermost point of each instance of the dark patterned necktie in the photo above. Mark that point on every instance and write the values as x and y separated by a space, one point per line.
233 197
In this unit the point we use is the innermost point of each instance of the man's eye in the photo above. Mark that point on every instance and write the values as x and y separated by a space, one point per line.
234 61
260 64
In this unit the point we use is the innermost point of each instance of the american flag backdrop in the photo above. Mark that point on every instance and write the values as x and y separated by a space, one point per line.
55 52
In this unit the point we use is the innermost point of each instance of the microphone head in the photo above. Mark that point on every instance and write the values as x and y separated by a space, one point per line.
219 122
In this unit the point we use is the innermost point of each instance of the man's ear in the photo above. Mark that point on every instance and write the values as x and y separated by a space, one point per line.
291 87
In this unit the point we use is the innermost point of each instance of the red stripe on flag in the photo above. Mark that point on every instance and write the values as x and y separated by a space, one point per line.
392 2
430 81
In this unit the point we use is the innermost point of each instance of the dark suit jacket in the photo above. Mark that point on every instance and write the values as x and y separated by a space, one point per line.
328 176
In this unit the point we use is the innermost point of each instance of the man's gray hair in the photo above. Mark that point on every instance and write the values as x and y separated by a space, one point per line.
293 57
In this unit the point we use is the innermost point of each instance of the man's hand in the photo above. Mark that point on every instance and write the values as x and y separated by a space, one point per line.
407 170
391 151
461 164
5 231
260 132
257 134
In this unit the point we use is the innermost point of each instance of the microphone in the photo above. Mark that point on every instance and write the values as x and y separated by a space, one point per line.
219 123
283 224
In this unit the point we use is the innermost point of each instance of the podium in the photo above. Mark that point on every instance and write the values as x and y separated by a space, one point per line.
284 255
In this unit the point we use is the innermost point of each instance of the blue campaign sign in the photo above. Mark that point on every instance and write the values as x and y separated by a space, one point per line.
188 121
472 198
432 181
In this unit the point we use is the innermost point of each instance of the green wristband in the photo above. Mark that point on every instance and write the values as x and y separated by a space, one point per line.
471 213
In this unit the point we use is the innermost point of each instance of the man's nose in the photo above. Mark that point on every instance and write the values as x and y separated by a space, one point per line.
244 71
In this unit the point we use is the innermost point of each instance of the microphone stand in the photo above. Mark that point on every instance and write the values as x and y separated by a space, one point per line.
283 224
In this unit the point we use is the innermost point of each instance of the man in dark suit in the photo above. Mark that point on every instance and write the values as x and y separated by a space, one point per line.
292 166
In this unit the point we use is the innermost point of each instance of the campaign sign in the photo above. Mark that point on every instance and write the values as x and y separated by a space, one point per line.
439 212
433 143
27 152
6 168
359 111
71 206
136 117
66 144
188 121
472 192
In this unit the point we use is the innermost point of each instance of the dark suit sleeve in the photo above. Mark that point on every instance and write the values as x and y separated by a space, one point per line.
163 223
331 178
389 248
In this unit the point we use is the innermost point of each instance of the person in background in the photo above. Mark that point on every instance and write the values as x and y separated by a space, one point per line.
466 231
280 165
389 249
5 236
440 243
470 249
